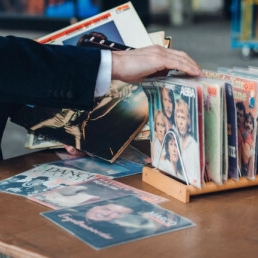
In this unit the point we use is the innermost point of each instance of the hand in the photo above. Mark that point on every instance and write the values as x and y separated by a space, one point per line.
71 150
135 65
59 120
75 131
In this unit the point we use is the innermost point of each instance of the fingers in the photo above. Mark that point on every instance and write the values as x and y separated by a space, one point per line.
174 59
71 150
136 65
164 58
188 65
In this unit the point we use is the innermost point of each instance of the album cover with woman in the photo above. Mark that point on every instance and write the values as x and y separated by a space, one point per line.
174 125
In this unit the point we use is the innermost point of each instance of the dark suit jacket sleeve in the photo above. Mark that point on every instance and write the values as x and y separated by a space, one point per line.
47 75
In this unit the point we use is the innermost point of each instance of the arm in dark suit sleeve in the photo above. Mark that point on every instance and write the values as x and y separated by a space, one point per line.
47 75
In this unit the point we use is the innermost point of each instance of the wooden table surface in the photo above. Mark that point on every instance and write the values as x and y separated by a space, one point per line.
226 224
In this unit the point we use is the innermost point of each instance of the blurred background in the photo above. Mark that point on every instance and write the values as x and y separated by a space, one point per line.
215 33
21 13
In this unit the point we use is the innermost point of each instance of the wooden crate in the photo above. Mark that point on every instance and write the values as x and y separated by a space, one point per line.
182 192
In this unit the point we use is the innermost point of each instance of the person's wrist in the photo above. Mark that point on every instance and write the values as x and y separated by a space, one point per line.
103 80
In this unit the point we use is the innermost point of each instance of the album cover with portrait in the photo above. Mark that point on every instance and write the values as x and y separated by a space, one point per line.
116 221
175 127
94 190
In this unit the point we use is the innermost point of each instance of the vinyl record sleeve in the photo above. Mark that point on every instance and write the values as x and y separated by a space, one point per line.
245 91
94 190
117 221
43 178
174 117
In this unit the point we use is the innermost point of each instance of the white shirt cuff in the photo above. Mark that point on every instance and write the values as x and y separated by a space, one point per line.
104 75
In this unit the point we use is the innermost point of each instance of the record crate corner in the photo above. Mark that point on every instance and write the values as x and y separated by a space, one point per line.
182 192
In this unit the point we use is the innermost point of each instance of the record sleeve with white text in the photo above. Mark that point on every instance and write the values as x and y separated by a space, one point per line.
43 178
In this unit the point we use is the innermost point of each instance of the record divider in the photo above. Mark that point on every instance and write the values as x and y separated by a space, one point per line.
183 192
